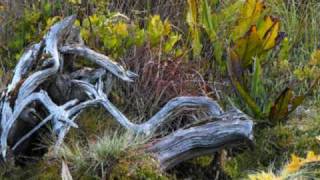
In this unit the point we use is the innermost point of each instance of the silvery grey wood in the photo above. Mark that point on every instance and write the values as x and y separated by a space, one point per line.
204 139
101 60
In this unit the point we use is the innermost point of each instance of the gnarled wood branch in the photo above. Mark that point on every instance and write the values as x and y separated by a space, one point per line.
100 60
29 90
201 140
173 106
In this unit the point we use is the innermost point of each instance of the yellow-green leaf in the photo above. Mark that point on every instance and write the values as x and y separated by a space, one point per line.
251 12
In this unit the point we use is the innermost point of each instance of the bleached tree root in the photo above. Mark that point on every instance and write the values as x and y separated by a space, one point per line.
46 88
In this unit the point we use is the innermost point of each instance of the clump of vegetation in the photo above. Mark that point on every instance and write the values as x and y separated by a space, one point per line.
250 42
98 155
275 145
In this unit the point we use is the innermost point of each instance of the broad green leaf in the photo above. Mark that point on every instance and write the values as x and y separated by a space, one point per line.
218 53
234 70
207 19
257 90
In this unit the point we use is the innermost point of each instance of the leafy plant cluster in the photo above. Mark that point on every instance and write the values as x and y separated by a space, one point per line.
245 50
116 33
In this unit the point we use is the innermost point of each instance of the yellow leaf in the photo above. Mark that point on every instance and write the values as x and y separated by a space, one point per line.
270 39
77 23
294 165
121 29
257 40
264 26
250 13
94 19
192 13
53 20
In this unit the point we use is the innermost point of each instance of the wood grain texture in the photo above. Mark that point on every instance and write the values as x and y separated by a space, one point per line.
201 140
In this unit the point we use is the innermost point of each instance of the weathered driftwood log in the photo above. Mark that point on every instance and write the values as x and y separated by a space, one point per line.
202 139
46 88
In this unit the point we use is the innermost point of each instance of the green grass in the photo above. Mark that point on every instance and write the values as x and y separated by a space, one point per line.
99 153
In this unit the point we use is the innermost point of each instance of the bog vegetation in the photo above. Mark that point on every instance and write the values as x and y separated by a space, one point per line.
261 56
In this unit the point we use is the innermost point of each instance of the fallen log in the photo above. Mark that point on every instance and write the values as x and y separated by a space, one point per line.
200 140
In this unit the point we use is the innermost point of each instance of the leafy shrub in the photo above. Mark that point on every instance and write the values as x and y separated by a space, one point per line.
250 44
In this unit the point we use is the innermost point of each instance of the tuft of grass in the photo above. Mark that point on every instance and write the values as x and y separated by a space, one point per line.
112 146
99 155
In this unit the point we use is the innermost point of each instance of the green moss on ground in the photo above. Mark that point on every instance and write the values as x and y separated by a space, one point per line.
273 146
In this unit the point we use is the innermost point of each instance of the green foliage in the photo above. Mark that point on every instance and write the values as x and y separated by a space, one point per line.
208 17
192 20
274 146
249 41
137 166
18 32
25 31
115 33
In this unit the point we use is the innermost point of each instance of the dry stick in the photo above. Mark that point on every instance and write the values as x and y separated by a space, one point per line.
173 106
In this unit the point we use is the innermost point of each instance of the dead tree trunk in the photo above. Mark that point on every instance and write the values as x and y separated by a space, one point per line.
46 88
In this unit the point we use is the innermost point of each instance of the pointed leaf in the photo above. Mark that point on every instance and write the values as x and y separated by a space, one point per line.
257 90
284 105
